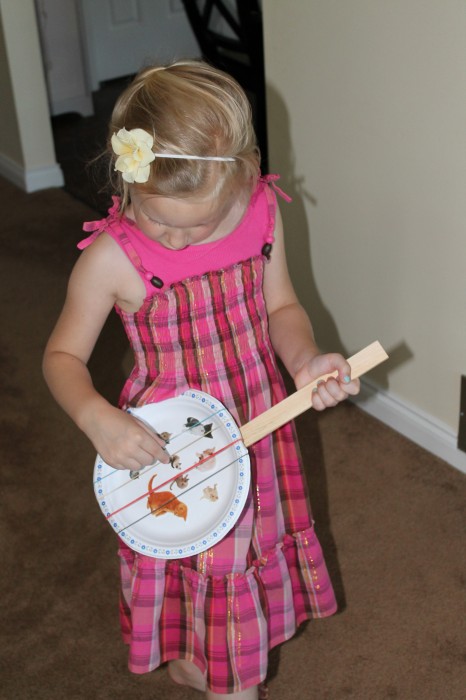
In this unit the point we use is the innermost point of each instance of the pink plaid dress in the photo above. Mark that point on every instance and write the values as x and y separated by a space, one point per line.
225 608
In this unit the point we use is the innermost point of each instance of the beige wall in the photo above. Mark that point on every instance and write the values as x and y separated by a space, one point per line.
367 122
10 143
27 154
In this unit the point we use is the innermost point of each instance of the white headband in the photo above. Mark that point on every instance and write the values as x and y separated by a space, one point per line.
186 157
135 154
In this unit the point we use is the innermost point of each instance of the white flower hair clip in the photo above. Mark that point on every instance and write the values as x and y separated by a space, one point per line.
134 151
135 154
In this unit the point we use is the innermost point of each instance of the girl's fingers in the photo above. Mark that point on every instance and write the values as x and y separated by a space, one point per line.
328 392
325 395
317 403
331 392
128 463
353 387
142 450
153 444
148 455
138 459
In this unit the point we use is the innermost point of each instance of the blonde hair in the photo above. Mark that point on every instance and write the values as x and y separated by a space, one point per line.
189 108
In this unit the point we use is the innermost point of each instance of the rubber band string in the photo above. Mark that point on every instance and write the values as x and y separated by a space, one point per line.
184 471
99 480
190 488
150 467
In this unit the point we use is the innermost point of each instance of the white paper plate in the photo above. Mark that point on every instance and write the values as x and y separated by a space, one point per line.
213 497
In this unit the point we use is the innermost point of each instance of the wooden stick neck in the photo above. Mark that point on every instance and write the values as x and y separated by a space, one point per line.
301 400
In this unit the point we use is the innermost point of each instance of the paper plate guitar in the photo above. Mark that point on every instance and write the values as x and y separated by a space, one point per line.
174 510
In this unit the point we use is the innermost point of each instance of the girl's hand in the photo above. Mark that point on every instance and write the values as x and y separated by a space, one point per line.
125 442
330 392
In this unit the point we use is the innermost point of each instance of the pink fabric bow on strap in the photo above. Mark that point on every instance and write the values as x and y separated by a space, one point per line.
97 227
272 180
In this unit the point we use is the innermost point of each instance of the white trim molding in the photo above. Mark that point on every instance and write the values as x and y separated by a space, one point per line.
411 422
32 179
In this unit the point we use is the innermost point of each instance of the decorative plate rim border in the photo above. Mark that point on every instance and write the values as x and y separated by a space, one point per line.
237 500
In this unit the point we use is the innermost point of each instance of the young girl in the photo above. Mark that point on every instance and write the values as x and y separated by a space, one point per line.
192 257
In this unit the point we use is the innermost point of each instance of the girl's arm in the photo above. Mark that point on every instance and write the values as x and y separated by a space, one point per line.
292 335
121 440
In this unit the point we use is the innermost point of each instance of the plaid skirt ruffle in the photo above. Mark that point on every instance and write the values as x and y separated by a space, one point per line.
225 625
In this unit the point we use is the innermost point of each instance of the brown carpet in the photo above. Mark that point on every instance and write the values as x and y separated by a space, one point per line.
391 518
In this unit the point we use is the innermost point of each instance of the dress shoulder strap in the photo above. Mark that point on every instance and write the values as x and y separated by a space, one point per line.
271 190
115 226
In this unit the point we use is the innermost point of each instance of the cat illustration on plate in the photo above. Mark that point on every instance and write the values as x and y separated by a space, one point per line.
181 481
175 461
197 428
206 459
161 502
210 493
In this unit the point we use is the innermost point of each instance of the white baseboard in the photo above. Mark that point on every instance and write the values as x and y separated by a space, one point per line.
32 179
411 422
